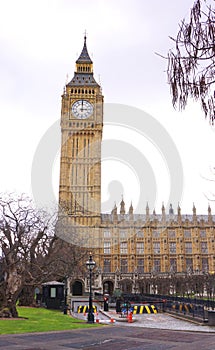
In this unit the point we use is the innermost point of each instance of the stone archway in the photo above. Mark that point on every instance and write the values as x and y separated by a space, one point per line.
77 288
126 286
108 287
144 287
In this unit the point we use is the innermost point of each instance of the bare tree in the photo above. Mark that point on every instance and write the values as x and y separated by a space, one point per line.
26 240
191 64
30 252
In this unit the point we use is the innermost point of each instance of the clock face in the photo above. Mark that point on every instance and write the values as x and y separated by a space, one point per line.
82 109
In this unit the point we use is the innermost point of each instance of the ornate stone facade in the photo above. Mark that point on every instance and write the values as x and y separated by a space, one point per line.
128 248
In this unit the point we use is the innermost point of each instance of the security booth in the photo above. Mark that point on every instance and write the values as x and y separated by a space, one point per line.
53 295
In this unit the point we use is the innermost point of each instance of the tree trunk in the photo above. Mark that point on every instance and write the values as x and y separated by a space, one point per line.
12 308
11 289
8 308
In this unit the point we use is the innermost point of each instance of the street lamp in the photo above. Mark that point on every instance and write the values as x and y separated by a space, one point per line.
65 296
90 265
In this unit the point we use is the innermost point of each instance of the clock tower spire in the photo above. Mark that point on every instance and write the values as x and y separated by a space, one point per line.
84 56
81 130
83 75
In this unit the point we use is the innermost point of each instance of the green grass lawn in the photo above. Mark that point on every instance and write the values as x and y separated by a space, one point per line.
40 320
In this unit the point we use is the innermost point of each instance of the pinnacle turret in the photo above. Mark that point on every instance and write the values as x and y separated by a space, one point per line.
84 70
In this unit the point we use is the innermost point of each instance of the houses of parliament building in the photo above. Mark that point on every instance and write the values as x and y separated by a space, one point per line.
128 248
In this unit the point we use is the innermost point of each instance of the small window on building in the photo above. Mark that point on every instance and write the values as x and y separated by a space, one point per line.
123 234
157 265
107 234
123 248
172 247
140 265
140 248
205 264
156 247
53 292
107 265
188 247
171 234
173 265
204 247
203 233
124 265
140 234
189 264
107 248
187 233
155 234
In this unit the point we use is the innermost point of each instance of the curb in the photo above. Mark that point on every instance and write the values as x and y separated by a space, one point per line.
182 318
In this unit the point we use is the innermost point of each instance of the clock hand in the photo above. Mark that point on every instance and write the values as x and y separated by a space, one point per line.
82 109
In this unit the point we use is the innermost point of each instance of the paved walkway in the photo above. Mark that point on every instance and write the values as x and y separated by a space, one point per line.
164 321
157 321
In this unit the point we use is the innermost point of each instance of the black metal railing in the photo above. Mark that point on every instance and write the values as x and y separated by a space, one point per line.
184 306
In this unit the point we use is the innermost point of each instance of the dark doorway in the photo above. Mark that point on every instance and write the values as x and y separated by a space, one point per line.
108 287
77 288
126 286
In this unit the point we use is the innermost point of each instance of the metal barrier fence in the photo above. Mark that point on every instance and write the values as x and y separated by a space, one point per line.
189 307
192 310
207 303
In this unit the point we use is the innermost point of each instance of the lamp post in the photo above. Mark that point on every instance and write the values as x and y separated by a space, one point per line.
90 265
65 296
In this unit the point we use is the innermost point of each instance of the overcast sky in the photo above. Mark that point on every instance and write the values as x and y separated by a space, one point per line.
39 43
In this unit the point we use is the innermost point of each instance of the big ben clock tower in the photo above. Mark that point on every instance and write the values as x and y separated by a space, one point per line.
81 129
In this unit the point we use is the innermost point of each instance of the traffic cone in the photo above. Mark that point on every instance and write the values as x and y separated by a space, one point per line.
130 319
97 317
112 320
